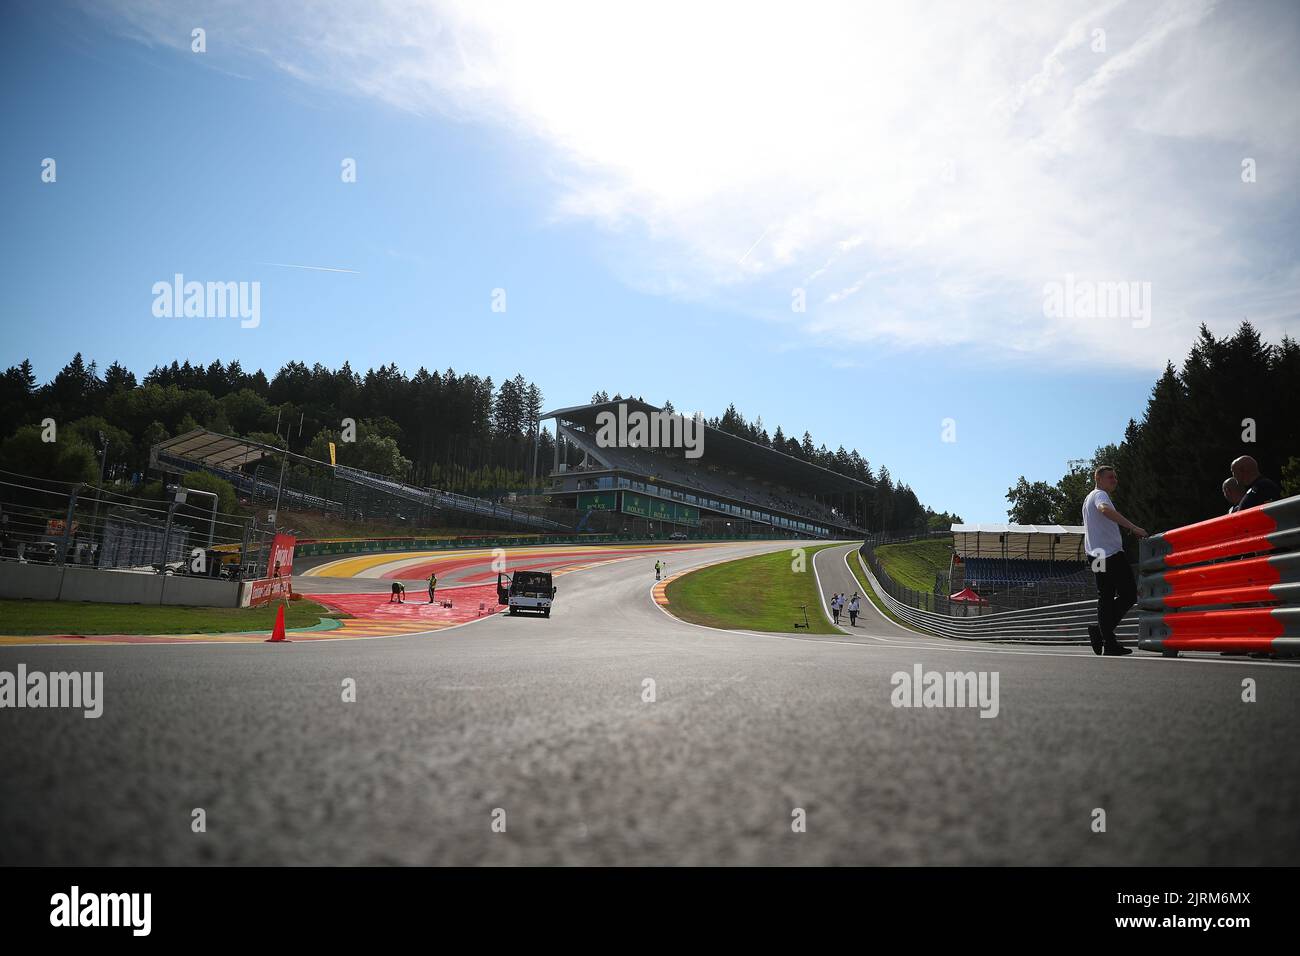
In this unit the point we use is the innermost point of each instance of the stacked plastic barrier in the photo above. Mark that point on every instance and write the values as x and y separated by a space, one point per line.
1229 584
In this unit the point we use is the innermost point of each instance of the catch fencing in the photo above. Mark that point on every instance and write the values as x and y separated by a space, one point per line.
80 525
1054 615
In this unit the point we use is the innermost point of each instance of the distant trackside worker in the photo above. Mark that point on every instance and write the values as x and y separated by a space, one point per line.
398 593
433 585
659 570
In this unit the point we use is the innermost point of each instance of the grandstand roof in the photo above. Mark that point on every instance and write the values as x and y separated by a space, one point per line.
1002 528
214 450
1038 542
772 464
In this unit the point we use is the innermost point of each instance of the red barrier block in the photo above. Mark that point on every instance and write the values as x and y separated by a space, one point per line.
1226 536
1263 622
1249 594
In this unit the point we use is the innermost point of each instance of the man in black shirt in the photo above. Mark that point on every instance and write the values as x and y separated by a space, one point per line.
1231 494
1258 489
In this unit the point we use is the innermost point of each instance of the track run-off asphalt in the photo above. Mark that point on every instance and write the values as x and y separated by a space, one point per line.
547 725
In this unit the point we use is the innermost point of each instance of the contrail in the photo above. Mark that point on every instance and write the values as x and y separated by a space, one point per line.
294 265
751 248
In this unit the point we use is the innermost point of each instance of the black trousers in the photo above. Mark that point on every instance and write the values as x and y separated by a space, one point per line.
1116 593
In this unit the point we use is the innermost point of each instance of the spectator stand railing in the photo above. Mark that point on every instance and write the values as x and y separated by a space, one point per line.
1230 584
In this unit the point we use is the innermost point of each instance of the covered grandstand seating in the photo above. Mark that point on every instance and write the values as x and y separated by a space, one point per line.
986 573
997 556
700 480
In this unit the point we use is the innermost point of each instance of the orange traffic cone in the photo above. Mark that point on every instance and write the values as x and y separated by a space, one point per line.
277 634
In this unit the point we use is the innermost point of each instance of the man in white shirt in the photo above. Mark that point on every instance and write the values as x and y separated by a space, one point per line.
1116 589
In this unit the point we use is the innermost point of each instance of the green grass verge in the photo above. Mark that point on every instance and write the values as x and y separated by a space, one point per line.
72 617
914 564
761 593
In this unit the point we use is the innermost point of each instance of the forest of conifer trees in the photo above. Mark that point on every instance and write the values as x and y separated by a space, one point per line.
459 432
1236 395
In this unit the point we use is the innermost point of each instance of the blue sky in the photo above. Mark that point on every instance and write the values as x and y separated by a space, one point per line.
651 200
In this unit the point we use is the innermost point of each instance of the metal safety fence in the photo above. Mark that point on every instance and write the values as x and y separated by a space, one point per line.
1043 593
81 525
1047 619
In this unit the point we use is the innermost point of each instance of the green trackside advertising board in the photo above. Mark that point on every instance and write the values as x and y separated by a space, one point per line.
661 510
658 509
598 500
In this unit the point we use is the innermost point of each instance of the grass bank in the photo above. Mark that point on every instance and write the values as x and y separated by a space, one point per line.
762 593
914 564
73 617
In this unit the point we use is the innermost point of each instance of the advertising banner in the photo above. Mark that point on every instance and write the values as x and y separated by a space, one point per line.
634 504
660 509
279 568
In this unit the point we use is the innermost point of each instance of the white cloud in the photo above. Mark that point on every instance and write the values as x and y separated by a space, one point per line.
955 157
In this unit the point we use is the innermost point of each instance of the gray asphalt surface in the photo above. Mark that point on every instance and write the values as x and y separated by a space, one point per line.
544 719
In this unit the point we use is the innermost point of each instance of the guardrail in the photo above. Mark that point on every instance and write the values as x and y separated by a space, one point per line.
1230 584
1065 622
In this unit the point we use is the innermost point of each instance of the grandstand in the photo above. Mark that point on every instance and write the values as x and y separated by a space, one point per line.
312 485
997 557
734 487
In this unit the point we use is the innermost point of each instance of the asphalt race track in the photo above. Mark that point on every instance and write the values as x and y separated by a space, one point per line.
545 720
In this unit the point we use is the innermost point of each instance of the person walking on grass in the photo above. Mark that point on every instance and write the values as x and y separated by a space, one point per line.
1116 589
853 610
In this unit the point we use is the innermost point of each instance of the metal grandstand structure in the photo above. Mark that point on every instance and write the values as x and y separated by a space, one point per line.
1033 559
733 481
265 474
